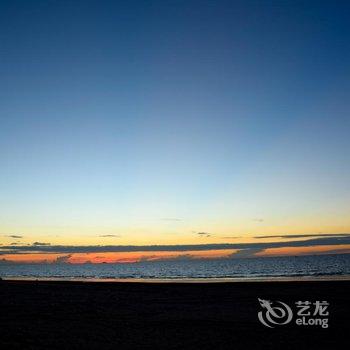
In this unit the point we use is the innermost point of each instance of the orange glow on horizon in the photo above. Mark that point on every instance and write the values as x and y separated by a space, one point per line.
133 257
286 251
117 257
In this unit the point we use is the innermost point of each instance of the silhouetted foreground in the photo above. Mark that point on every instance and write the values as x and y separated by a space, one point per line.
73 315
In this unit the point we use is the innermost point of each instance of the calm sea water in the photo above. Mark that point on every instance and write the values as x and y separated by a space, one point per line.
326 265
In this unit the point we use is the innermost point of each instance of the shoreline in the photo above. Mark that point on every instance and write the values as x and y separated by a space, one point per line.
205 280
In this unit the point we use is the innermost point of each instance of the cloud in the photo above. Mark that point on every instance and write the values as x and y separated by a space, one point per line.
258 220
41 244
14 236
230 237
307 235
246 253
63 259
62 249
145 258
180 257
206 234
109 236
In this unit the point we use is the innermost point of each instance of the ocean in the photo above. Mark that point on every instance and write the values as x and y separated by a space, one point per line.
244 268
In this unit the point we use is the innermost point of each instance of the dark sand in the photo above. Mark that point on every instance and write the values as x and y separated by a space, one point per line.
73 315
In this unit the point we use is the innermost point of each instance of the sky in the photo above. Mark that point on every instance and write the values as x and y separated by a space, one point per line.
173 123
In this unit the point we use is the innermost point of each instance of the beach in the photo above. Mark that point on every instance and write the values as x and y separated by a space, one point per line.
88 315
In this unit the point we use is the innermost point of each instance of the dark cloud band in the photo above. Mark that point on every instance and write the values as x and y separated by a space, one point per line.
306 235
20 249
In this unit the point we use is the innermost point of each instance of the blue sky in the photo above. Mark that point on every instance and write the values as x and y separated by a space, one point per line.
116 115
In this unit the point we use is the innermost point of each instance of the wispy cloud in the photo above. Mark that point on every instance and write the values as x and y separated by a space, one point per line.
41 244
246 253
179 257
206 234
109 236
14 236
258 220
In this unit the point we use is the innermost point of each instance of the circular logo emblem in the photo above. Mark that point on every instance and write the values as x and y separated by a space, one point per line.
274 313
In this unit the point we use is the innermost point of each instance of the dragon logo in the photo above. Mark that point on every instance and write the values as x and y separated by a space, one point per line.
274 315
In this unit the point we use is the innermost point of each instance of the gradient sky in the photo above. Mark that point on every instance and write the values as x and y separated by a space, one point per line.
153 121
